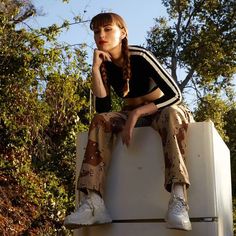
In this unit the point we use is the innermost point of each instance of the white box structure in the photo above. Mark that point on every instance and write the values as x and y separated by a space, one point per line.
135 194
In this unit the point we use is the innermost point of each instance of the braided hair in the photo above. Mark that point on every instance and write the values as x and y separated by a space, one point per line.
109 18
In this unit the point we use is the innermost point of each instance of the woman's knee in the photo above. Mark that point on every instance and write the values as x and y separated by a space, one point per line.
109 121
170 111
99 117
98 120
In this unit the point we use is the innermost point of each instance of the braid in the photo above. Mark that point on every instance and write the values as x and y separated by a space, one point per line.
126 69
104 77
126 66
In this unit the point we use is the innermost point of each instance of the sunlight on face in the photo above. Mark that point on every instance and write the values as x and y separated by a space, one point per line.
108 37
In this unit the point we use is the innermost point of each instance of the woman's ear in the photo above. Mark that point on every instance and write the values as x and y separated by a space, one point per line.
123 34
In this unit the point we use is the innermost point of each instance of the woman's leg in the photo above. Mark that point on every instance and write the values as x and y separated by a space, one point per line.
172 124
101 138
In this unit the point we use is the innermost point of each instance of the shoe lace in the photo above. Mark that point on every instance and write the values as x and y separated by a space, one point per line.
87 202
178 205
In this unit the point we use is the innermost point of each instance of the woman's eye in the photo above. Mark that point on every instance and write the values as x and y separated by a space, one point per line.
108 29
96 31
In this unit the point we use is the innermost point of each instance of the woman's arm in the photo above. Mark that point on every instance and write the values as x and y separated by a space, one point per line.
98 87
134 115
153 69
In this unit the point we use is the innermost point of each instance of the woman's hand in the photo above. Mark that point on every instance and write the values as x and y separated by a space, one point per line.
100 56
133 116
97 83
127 131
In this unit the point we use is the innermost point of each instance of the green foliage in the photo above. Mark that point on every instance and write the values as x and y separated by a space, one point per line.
213 108
230 128
223 114
117 102
234 215
199 38
44 103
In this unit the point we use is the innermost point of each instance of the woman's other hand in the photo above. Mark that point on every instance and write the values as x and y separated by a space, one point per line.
133 116
127 131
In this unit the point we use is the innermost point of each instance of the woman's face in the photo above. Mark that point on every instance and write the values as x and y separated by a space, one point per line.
108 37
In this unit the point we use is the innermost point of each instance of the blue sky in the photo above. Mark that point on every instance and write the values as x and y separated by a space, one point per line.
138 15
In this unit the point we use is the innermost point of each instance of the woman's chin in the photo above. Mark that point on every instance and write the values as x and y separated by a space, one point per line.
102 48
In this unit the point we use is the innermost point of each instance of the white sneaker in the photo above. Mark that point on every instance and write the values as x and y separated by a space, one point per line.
177 215
91 211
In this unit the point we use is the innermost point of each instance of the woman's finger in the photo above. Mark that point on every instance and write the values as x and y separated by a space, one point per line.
104 56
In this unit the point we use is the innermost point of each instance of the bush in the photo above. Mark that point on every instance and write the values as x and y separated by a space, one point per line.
44 104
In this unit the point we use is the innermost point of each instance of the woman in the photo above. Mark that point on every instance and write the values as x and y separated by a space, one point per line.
150 96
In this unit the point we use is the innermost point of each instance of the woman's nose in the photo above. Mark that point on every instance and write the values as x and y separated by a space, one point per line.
101 34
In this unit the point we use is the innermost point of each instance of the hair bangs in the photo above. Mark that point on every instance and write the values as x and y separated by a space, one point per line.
101 20
108 18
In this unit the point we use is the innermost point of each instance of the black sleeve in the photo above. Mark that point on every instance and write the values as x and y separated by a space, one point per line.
103 104
166 83
163 79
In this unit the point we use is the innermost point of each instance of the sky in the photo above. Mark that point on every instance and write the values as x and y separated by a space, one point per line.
138 15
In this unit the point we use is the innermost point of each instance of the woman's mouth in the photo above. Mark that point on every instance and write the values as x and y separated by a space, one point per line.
101 42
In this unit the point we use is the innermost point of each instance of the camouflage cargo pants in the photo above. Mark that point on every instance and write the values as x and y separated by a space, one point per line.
171 123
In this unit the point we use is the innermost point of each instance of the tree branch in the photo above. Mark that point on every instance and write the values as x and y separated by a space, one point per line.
176 44
195 9
180 32
187 79
198 93
63 26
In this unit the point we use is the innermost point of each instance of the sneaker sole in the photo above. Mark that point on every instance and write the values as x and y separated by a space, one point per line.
77 226
187 227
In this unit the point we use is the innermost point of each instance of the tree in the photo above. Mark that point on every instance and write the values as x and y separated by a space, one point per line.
230 127
213 108
223 114
199 38
43 102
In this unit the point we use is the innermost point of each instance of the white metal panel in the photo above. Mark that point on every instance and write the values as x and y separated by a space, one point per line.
136 176
135 180
148 229
223 185
202 192
135 183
